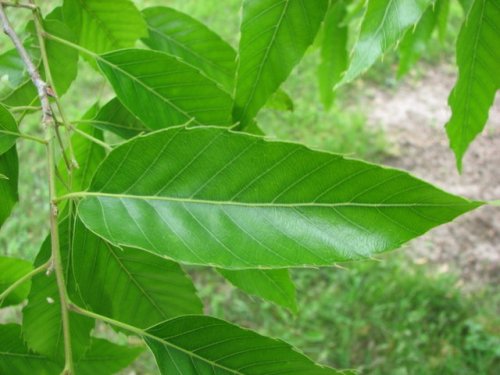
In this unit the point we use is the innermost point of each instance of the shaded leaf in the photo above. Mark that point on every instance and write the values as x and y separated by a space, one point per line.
273 285
9 125
237 201
9 167
334 54
104 25
279 101
478 60
180 35
114 117
384 24
163 91
63 60
16 358
274 36
42 325
11 270
130 285
205 345
415 41
106 358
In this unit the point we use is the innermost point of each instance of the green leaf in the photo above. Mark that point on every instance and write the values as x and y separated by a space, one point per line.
102 358
274 36
42 325
478 60
238 201
279 101
9 167
11 270
178 34
273 285
114 117
16 88
163 91
9 125
415 41
63 60
131 285
106 358
192 345
16 358
442 8
334 54
104 25
383 25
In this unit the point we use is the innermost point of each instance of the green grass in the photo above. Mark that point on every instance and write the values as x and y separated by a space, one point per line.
387 317
381 317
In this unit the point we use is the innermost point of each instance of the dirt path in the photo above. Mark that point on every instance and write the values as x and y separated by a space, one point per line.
414 116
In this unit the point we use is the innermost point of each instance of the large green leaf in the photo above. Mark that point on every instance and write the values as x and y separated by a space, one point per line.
274 36
130 285
384 24
7 124
11 270
9 168
104 25
478 60
102 358
178 34
106 358
163 91
16 358
114 117
274 285
334 54
210 196
195 345
42 325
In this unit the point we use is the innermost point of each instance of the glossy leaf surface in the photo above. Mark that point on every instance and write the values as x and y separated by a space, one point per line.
273 285
11 270
9 125
274 36
384 24
130 285
9 168
104 25
193 345
180 35
163 91
239 201
478 60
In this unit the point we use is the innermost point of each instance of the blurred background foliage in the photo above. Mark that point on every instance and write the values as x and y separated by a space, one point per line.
386 316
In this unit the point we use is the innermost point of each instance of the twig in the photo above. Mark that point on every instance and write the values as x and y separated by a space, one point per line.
6 4
49 123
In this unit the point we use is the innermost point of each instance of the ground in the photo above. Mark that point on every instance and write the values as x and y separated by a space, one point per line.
413 116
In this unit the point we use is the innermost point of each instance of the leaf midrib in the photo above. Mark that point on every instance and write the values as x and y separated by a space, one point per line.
263 204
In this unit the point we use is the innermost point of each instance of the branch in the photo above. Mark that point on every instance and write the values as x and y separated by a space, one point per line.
44 91
42 88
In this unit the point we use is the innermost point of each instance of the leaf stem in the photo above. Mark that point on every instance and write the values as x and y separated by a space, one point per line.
93 139
70 44
23 279
50 124
6 4
25 136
